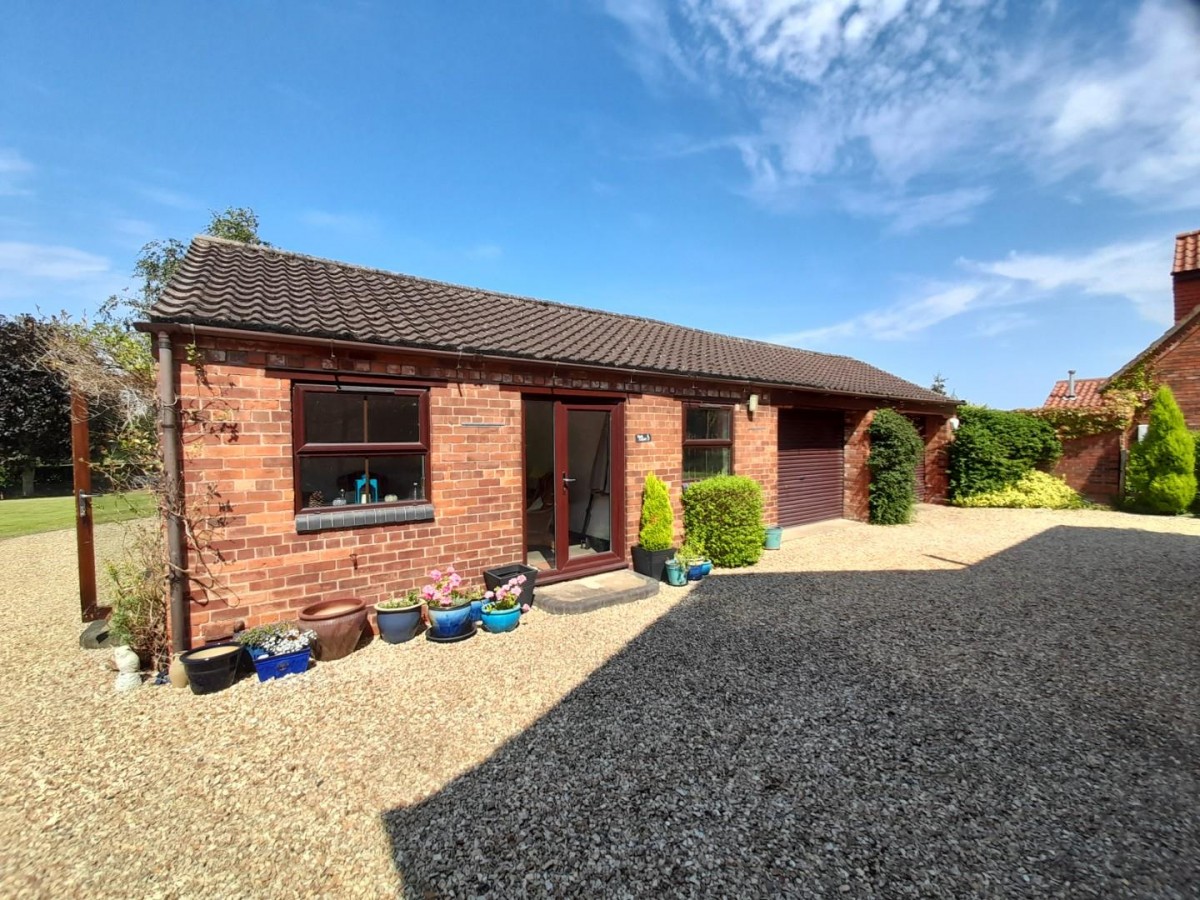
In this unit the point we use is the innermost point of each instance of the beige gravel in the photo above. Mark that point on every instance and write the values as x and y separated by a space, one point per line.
277 789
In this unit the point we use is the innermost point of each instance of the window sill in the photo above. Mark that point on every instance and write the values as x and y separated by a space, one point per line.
308 522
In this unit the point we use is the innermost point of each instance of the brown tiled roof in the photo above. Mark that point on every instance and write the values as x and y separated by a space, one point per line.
1087 394
1187 252
234 285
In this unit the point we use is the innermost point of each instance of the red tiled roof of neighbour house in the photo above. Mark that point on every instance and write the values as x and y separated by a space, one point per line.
1187 252
1087 394
233 285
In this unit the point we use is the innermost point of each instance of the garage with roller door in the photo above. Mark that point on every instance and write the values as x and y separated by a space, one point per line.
811 466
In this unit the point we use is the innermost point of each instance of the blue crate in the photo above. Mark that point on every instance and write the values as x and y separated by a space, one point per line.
269 667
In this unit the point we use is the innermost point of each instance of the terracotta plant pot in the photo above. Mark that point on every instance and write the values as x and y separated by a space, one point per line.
338 623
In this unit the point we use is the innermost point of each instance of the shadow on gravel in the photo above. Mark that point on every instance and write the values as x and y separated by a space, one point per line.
1023 726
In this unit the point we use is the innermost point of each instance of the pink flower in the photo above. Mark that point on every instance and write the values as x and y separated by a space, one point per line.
524 607
488 595
435 574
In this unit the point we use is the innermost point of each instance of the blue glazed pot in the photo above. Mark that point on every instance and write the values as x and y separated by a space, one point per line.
269 667
476 610
698 570
398 625
676 574
447 623
501 620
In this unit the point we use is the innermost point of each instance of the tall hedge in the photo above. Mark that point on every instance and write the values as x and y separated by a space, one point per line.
994 448
895 449
725 515
1161 474
658 519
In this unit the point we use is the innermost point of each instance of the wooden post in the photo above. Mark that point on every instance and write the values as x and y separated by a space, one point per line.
90 610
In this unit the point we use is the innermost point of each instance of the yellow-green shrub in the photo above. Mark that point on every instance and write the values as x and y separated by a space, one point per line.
1035 490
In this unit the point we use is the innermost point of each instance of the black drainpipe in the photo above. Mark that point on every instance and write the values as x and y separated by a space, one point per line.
168 421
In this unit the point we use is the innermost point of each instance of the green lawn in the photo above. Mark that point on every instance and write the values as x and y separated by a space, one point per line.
38 514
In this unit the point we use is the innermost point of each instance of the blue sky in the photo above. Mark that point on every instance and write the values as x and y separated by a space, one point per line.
984 189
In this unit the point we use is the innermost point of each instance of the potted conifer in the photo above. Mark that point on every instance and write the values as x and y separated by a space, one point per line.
657 530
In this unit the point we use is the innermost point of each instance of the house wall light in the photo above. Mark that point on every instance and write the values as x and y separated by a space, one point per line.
954 423
752 403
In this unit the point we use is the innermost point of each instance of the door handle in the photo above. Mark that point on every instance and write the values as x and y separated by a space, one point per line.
567 480
83 504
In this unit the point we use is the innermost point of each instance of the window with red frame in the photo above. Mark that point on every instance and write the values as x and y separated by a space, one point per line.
357 445
707 441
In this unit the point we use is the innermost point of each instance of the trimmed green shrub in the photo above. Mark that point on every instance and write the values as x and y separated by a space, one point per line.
1195 503
1034 490
1161 474
724 514
658 519
994 448
895 449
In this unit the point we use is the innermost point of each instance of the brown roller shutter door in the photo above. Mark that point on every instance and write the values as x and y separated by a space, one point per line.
810 466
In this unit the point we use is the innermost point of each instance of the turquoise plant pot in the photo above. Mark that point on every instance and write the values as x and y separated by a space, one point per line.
676 574
774 538
501 620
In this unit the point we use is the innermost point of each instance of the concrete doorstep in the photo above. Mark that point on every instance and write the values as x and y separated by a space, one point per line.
595 592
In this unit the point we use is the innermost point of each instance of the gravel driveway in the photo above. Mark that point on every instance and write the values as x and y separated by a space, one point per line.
986 703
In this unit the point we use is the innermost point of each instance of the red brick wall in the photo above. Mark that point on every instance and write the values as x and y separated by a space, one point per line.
938 435
1178 365
857 485
662 419
1187 294
237 462
1092 465
755 445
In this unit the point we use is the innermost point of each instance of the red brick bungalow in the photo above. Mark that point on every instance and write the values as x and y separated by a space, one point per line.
343 430
1093 465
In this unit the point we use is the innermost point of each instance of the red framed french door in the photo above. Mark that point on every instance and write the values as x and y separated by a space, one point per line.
574 486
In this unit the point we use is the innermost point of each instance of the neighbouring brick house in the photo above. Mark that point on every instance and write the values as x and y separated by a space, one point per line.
1093 464
343 430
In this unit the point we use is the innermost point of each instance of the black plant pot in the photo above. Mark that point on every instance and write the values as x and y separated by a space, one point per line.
651 563
213 668
500 575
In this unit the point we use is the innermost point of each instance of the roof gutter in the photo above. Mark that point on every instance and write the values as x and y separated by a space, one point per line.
332 343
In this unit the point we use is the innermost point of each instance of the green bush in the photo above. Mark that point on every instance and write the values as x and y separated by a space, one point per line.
1196 502
1034 490
658 519
993 449
895 449
1161 474
139 606
724 514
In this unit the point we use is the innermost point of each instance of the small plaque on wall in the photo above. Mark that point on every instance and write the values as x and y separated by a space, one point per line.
642 438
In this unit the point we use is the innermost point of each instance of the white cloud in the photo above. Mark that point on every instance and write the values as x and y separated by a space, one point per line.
908 213
1136 271
167 197
47 261
350 223
884 92
902 320
1002 291
49 276
14 172
485 251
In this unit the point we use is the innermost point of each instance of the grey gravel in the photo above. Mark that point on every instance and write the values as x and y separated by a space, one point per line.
1022 726
986 703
